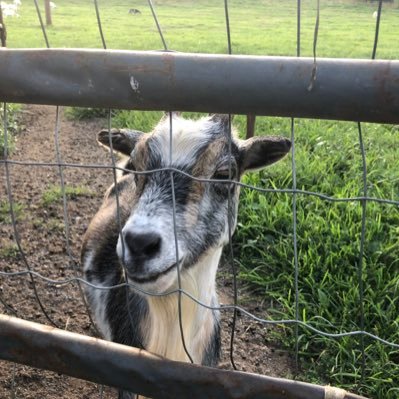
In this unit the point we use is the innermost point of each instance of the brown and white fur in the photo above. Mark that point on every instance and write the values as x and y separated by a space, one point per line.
145 248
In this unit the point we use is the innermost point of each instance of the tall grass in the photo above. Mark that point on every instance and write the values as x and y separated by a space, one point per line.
328 161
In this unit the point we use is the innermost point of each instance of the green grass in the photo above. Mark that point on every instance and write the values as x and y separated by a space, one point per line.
53 195
328 161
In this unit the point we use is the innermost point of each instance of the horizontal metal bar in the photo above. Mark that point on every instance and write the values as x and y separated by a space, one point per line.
138 371
345 89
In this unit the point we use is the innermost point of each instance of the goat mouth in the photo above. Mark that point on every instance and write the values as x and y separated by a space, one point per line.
149 278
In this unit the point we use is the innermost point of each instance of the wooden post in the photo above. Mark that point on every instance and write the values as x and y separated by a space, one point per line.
250 126
3 32
48 12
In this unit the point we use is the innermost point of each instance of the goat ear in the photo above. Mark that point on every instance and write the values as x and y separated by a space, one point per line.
123 140
258 152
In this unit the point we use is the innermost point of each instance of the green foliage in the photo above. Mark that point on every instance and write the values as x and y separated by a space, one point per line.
9 252
5 215
53 195
12 127
85 113
328 161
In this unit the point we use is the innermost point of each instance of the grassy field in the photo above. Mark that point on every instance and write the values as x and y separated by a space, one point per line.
258 27
328 160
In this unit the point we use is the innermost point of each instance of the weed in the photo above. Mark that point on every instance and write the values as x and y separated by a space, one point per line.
55 225
53 195
85 113
5 215
9 252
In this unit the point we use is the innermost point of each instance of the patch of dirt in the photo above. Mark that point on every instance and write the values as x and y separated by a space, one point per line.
41 231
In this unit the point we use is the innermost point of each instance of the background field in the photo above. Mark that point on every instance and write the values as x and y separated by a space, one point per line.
328 160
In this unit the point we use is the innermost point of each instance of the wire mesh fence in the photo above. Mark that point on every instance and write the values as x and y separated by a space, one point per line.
52 289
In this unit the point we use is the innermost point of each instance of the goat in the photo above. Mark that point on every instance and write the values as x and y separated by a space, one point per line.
145 248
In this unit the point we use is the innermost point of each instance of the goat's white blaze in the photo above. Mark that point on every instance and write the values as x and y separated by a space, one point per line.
161 330
187 136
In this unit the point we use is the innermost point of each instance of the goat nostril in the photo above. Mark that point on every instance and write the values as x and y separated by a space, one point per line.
143 244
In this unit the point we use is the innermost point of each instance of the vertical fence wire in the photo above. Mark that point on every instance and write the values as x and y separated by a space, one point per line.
39 15
13 218
8 308
99 24
154 14
14 222
16 236
229 207
294 205
360 268
172 182
63 193
315 37
295 245
118 213
115 181
361 253
13 381
377 30
72 261
3 36
175 233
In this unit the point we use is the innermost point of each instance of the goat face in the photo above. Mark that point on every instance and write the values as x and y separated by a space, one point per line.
200 223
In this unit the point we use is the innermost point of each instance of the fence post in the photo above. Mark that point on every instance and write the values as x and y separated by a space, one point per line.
3 32
48 12
251 126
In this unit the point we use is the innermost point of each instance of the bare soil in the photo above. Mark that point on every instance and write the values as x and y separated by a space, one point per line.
54 253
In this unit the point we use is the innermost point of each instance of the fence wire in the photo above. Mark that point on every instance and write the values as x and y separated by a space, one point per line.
295 192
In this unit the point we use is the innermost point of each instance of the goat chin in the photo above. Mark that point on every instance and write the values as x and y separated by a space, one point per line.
194 321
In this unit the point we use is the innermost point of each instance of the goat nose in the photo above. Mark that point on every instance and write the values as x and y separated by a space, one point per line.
143 244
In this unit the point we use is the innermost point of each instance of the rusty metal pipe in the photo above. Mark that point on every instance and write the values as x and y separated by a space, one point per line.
344 89
138 371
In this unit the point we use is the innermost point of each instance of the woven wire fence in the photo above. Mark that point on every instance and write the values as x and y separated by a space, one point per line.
38 281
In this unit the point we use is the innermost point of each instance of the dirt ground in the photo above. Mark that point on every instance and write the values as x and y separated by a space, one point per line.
41 230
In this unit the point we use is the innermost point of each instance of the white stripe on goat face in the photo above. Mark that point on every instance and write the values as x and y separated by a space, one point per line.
148 245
